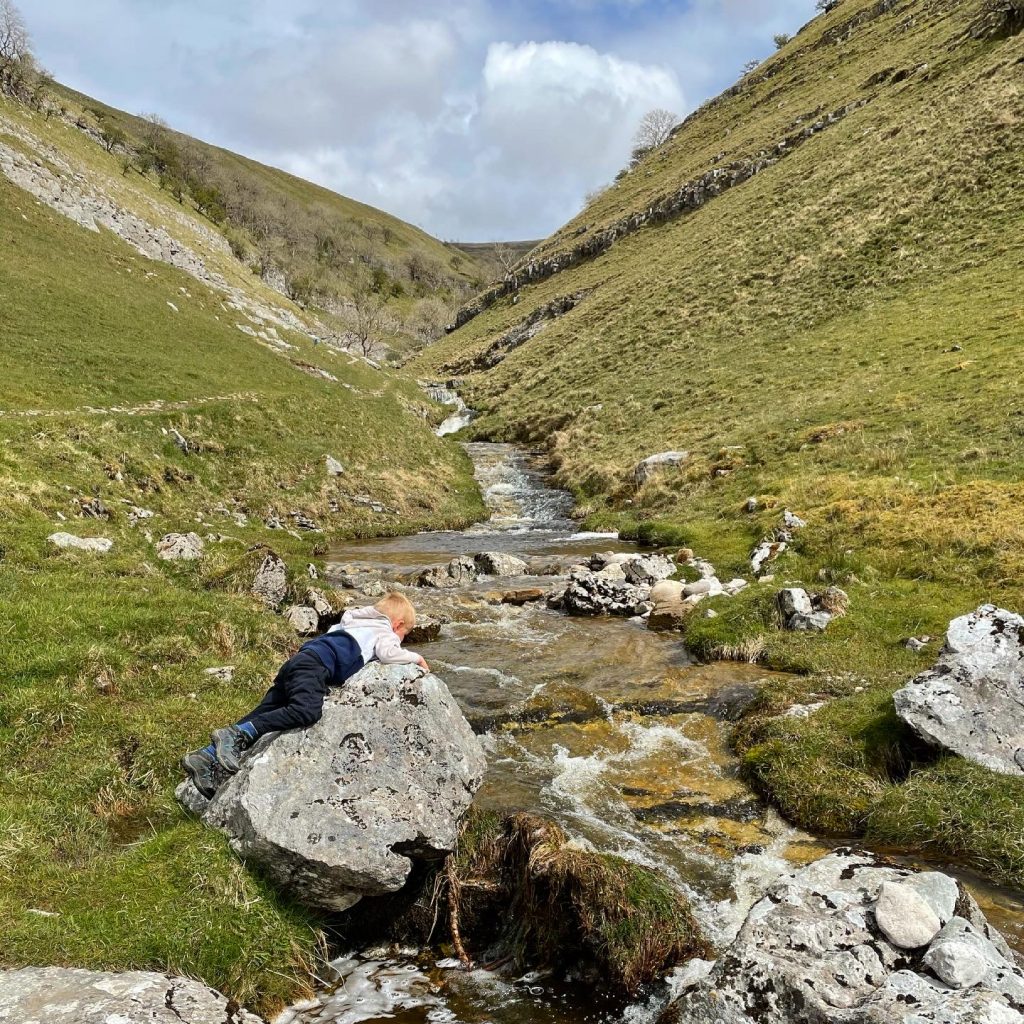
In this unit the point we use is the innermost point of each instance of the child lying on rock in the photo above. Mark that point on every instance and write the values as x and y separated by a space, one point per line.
296 699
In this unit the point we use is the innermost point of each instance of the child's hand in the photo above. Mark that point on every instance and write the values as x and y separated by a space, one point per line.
423 665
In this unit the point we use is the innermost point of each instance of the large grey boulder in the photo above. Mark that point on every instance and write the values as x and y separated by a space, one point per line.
57 995
648 569
811 952
457 573
339 811
971 701
497 563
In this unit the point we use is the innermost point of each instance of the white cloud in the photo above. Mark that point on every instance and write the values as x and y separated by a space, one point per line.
475 119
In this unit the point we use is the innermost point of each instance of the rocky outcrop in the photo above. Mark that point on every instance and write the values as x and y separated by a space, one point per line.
814 951
57 995
971 702
68 541
806 612
604 592
340 810
523 331
179 547
690 196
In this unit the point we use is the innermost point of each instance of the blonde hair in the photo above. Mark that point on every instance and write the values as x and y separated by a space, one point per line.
397 606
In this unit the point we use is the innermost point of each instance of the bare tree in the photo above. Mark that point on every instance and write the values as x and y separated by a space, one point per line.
506 257
371 318
655 127
16 63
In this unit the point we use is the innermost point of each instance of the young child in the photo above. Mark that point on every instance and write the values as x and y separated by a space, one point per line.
296 699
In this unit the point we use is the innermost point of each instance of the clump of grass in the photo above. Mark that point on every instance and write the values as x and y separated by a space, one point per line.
958 810
523 890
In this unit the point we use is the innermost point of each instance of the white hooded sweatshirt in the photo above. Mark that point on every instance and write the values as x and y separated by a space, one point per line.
372 630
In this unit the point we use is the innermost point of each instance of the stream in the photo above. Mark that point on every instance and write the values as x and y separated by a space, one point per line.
642 767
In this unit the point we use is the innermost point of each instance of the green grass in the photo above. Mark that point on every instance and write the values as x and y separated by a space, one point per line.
839 336
102 657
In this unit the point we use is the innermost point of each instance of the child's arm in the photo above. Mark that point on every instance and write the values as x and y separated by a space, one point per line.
389 651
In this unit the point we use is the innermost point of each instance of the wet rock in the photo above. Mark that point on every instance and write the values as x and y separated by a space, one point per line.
48 995
668 615
68 541
653 464
497 563
270 584
458 572
648 569
603 593
603 559
425 631
905 917
340 810
303 619
970 702
334 467
810 953
524 595
179 547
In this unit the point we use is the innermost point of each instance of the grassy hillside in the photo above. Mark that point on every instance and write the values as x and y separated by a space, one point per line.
337 256
105 356
831 324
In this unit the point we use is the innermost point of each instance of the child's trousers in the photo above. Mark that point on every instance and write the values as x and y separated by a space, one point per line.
296 699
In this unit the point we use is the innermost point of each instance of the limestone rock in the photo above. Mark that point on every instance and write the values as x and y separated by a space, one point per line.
179 547
425 630
939 891
603 593
303 619
271 582
335 812
905 917
334 467
645 469
767 551
958 964
222 673
816 622
53 995
793 601
669 615
972 701
666 592
518 597
497 563
97 545
706 588
648 569
458 572
809 953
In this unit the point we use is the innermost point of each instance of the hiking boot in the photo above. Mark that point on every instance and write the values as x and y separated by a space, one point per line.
200 767
231 743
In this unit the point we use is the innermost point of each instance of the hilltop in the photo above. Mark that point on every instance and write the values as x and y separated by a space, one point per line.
813 289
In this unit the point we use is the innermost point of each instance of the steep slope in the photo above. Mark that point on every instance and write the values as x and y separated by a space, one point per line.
814 288
139 396
357 266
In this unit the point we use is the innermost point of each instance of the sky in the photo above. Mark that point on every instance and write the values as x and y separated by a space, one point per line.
477 120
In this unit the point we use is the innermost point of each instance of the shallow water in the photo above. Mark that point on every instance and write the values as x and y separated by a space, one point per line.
625 748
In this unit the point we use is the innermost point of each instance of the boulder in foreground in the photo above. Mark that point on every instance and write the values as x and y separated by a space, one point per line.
813 951
57 995
971 702
340 810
